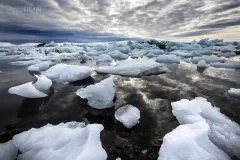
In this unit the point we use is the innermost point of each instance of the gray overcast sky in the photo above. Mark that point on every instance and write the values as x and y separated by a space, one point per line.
98 20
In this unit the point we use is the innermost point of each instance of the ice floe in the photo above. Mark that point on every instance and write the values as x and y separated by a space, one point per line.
133 67
104 58
128 115
168 59
67 73
234 93
33 89
99 95
202 64
66 141
8 151
118 55
40 66
190 142
224 133
233 65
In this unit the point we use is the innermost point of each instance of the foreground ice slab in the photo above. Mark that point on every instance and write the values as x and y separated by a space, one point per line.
224 133
33 90
168 59
40 66
234 93
8 151
67 73
100 95
134 68
190 142
66 141
128 115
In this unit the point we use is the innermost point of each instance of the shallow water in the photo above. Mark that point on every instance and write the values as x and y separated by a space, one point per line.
152 95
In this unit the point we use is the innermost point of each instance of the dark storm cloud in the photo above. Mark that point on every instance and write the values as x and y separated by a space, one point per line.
115 18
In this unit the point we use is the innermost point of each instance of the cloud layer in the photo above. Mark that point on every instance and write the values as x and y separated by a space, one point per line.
76 20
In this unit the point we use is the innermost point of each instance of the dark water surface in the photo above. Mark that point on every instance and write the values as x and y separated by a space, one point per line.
152 95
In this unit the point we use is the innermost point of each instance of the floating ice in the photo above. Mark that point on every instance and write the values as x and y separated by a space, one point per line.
156 51
202 64
207 59
224 133
51 44
66 141
67 73
40 66
118 55
8 151
233 92
168 59
134 68
124 50
185 54
100 95
33 90
30 62
128 115
190 142
234 65
103 58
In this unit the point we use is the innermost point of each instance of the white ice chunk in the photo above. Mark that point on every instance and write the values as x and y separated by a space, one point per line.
51 44
100 95
234 92
168 59
33 90
156 51
67 73
202 64
134 68
8 151
190 142
224 133
124 50
128 115
66 141
40 66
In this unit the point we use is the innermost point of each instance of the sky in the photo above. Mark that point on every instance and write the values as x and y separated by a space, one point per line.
24 21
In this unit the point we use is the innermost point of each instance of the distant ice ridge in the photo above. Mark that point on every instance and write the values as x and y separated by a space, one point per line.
128 115
100 95
138 67
234 93
66 141
8 151
67 73
201 115
36 89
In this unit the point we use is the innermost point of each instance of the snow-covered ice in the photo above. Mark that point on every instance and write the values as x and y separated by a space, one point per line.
67 73
168 59
8 151
133 67
234 92
103 58
31 89
190 142
223 132
128 115
118 55
66 141
99 95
